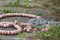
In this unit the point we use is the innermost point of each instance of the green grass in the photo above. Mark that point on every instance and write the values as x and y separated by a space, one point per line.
52 34
39 14
2 0
23 35
15 3
25 4
46 4
10 4
9 11
1 38
40 26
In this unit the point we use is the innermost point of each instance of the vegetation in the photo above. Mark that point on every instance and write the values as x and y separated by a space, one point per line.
23 35
55 2
46 4
10 4
39 14
52 34
56 8
1 38
15 3
25 4
9 11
